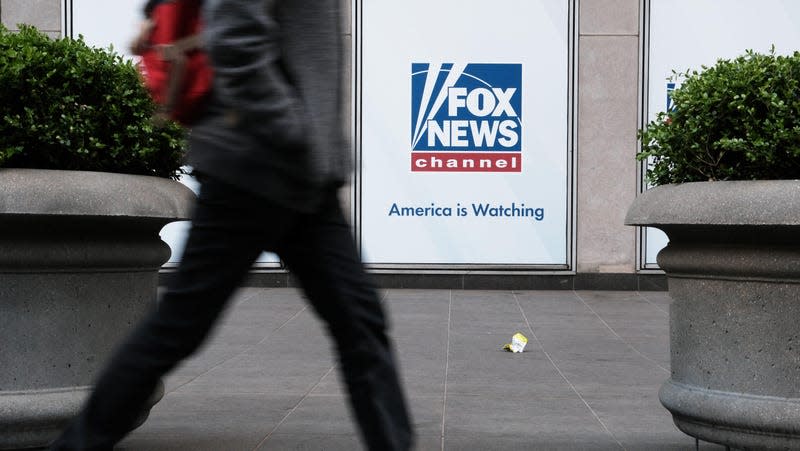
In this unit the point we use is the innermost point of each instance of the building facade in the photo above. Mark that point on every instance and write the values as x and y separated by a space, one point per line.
610 47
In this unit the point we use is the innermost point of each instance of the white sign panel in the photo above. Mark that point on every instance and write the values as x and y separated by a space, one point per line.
103 23
687 34
465 131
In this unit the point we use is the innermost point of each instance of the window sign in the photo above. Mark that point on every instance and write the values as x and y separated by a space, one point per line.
464 120
687 34
103 23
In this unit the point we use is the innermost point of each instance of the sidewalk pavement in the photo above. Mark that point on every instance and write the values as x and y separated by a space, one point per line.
588 379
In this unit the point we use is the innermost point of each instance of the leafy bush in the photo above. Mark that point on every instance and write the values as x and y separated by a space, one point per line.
736 120
65 105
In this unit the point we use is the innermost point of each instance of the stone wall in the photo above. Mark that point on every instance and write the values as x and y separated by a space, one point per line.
43 14
608 99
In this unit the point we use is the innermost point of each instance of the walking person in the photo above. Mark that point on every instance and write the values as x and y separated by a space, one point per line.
270 157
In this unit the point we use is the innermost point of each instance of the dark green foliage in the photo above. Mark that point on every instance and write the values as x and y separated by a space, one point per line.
65 105
736 120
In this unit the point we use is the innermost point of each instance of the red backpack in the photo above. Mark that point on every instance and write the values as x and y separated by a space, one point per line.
175 68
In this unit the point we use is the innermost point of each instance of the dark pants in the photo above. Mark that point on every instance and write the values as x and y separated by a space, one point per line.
230 229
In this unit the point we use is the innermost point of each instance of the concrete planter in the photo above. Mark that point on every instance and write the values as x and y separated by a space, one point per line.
733 264
79 260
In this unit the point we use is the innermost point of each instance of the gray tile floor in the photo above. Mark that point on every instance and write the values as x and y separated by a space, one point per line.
588 379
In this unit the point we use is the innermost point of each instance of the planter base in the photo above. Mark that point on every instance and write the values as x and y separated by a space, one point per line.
33 419
734 419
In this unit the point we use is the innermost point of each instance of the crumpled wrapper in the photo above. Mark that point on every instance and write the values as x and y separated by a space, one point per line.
518 342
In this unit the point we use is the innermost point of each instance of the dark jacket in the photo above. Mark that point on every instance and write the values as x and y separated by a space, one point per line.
274 123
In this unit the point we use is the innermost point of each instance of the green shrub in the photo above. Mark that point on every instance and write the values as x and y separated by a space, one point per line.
736 120
65 105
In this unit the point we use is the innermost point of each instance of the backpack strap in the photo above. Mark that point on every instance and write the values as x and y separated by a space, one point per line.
187 44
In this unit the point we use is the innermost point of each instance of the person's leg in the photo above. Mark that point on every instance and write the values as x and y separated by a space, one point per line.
322 254
223 242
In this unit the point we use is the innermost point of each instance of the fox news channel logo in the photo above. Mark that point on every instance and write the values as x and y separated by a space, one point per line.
466 117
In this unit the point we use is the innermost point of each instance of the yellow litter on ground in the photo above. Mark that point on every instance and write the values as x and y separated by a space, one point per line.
518 342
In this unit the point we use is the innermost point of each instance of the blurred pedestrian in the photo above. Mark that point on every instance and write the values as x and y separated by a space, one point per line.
270 157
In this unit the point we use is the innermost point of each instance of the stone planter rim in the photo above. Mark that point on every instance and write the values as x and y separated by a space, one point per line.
47 192
723 203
